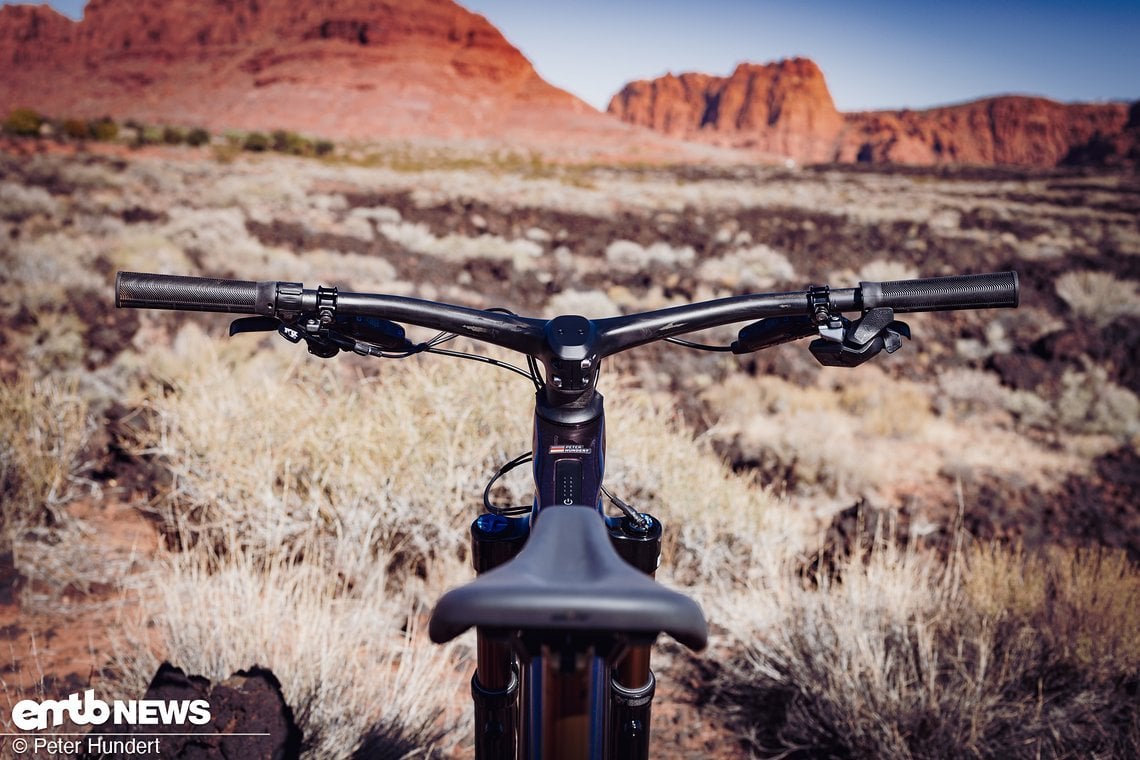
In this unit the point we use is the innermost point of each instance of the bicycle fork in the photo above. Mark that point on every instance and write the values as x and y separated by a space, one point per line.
501 731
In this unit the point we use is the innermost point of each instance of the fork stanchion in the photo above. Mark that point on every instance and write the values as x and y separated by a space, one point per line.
495 539
496 719
632 685
630 713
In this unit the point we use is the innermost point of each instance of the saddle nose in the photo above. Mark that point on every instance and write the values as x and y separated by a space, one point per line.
569 578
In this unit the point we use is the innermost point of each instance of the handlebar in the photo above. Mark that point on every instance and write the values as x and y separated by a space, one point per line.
284 300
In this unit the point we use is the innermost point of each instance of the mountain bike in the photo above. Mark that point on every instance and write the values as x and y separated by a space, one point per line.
564 602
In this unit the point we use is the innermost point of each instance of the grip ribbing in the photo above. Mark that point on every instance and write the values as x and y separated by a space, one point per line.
972 291
163 291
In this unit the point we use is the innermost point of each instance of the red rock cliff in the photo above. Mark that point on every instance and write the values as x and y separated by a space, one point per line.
785 109
342 68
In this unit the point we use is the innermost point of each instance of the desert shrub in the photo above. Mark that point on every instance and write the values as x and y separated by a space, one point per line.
974 391
291 143
886 270
819 441
256 142
323 148
314 452
752 268
147 135
44 427
993 655
353 665
1091 403
226 153
104 129
197 136
75 129
139 250
23 122
56 338
420 239
18 202
590 303
277 475
1099 296
173 136
628 256
219 238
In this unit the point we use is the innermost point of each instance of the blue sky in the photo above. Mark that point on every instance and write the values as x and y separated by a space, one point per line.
874 54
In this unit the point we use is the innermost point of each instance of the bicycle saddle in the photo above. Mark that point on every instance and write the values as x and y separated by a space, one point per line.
569 578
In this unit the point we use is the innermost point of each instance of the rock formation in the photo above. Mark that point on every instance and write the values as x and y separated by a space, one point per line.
429 68
337 68
248 718
785 109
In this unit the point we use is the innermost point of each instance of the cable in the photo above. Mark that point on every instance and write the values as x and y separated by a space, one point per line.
698 346
536 373
625 507
484 359
521 459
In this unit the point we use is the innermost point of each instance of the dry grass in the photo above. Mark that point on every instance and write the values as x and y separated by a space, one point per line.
44 427
346 649
419 239
995 655
1091 403
270 449
1099 296
756 268
372 472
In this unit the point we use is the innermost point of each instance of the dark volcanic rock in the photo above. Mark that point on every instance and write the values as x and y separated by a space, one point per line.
249 719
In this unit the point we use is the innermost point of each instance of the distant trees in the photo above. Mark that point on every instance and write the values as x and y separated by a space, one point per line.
23 122
26 122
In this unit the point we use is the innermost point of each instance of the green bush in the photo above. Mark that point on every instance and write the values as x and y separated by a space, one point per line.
150 135
173 136
23 122
284 142
145 135
75 129
256 142
197 136
104 130
324 147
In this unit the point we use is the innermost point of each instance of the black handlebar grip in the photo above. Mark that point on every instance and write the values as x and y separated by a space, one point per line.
165 291
971 291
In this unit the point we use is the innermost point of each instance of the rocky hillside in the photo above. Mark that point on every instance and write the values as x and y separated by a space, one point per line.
785 109
338 68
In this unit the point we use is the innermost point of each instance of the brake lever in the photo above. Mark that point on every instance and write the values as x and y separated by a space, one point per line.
382 333
253 324
772 332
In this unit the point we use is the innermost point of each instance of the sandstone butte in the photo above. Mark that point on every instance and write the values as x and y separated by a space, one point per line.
409 69
345 69
785 109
